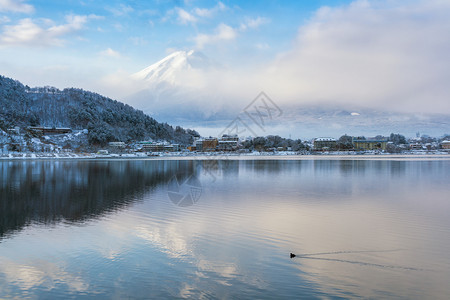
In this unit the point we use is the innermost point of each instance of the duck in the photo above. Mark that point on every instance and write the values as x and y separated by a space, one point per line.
293 255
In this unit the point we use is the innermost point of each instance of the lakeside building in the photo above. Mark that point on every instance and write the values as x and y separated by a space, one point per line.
153 147
228 143
229 137
370 144
119 145
209 144
325 143
15 130
172 148
445 145
159 147
48 130
103 152
227 146
416 146
198 145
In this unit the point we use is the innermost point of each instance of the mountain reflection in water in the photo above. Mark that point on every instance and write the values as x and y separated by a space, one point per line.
74 191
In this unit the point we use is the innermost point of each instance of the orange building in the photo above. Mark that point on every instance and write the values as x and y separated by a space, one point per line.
210 144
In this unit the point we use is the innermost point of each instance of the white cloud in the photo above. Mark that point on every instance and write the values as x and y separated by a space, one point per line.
148 12
262 46
4 19
121 10
110 53
193 16
25 32
29 33
138 40
254 23
184 17
225 32
15 6
74 23
222 33
171 50
119 27
43 274
209 12
386 53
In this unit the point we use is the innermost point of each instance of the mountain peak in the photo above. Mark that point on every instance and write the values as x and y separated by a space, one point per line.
170 67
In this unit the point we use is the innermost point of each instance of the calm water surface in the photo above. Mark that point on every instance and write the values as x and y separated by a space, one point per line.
224 229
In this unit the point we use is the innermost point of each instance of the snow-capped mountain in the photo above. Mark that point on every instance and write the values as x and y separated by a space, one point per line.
173 88
171 68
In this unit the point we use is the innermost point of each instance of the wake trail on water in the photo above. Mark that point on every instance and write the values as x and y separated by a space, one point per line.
361 263
350 252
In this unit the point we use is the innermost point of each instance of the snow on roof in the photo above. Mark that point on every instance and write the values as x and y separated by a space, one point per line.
325 139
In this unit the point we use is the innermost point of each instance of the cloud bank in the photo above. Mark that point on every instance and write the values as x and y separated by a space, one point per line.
378 54
222 33
17 6
110 53
28 32
385 53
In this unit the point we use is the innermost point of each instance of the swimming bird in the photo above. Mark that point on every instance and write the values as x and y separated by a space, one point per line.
293 255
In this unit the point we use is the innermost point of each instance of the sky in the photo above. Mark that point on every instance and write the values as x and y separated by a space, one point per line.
103 37
385 53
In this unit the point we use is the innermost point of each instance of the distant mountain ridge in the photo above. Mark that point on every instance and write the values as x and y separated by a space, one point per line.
106 119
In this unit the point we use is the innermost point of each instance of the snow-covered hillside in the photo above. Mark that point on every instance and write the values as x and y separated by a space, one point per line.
105 119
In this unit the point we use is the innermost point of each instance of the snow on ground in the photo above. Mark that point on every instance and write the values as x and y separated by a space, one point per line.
228 155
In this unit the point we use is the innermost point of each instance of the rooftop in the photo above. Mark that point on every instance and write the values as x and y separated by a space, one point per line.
325 139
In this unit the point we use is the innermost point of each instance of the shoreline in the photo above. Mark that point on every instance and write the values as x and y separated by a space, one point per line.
227 156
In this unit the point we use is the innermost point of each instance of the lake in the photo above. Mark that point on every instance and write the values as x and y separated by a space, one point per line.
375 228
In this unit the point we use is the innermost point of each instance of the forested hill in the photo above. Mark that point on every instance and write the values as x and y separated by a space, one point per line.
106 119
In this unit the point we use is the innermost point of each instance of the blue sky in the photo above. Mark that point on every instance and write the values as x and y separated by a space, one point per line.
372 52
130 35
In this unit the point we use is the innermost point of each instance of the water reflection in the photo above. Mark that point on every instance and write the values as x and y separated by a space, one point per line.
366 229
214 168
52 191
